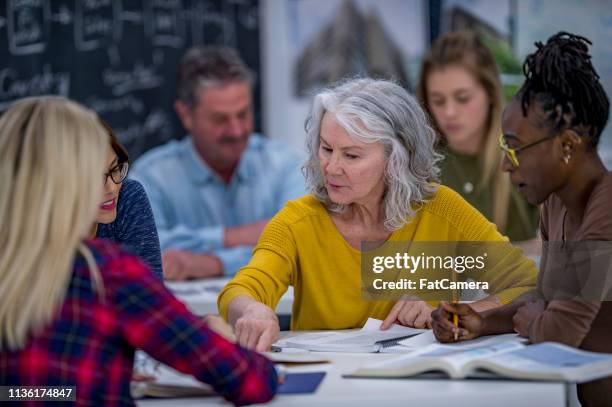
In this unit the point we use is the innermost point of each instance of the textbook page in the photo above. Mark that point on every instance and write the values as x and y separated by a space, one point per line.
546 361
436 357
427 338
459 357
367 340
552 361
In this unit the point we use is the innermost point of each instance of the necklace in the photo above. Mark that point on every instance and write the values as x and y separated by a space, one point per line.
458 166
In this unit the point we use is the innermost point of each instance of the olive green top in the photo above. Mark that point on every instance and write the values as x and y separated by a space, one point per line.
462 173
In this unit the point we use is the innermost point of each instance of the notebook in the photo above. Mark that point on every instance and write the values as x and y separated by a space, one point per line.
301 383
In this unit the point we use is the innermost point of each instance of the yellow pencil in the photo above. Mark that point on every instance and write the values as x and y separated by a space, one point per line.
455 300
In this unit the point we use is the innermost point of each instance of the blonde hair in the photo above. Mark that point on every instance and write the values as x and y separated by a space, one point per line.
52 152
463 48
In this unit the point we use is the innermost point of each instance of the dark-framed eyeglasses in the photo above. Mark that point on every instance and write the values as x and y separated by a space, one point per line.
118 173
512 153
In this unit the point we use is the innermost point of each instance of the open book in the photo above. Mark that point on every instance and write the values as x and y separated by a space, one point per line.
369 339
167 382
508 359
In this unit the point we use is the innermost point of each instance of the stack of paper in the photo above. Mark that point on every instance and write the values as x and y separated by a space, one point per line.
369 339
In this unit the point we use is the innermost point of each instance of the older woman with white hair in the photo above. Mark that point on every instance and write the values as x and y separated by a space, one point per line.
372 173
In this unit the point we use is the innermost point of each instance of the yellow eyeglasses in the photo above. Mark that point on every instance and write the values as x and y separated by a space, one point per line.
511 153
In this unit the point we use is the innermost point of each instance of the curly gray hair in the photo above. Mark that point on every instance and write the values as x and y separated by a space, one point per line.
381 111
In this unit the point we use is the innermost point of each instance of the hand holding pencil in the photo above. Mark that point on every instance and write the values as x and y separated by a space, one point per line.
456 323
468 323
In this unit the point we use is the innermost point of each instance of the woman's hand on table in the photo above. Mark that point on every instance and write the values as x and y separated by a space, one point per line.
257 328
409 312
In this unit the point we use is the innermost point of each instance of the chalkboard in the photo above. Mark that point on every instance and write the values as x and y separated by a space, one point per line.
118 57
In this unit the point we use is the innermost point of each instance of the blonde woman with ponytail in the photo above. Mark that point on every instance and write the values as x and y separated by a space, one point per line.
73 311
460 88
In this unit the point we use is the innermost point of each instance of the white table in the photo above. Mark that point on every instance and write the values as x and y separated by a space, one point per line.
200 296
335 390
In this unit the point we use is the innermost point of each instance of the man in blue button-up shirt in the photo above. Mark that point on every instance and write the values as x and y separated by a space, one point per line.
213 192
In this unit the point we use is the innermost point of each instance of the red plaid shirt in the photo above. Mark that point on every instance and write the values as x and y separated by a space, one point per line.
90 342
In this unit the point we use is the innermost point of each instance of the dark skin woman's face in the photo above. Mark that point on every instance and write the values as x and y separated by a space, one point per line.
542 170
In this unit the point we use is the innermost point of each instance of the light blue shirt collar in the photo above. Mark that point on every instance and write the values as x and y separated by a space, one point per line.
201 173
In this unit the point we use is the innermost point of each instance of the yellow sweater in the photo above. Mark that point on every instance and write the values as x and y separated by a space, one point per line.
302 247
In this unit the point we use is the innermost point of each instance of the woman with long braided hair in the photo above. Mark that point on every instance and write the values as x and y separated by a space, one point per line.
551 132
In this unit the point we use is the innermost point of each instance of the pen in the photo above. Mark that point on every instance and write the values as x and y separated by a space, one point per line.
276 349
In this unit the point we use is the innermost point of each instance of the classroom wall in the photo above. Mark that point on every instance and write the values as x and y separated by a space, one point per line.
283 39
118 57
527 20
537 20
281 119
